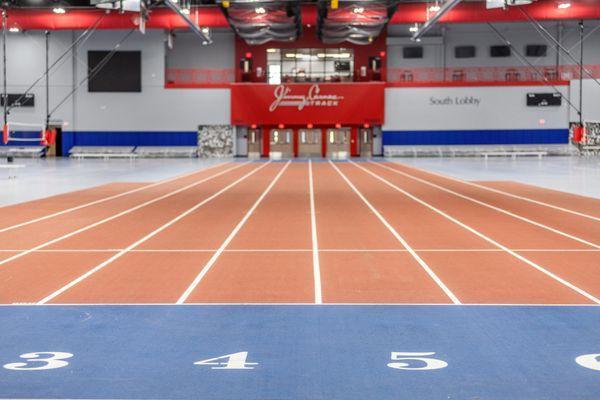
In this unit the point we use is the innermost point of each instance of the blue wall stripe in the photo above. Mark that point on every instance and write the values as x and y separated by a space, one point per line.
521 136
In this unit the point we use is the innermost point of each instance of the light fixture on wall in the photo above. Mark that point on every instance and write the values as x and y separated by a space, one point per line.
14 29
414 28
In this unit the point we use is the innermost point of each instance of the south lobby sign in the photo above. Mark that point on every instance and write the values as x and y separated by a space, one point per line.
300 104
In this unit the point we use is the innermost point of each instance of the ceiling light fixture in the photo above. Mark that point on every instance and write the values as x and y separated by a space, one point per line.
14 29
358 10
564 5
435 8
186 11
59 10
260 10
414 28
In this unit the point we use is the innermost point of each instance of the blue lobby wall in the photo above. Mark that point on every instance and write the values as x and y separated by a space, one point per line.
128 138
474 137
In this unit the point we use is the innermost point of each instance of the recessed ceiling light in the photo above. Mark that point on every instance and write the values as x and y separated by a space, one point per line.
271 50
260 10
358 10
14 29
564 5
434 8
59 10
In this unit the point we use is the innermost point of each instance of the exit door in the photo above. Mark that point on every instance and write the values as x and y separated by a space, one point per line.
281 141
309 143
365 140
338 143
254 143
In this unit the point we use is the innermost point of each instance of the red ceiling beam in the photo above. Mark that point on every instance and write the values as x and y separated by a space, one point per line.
407 13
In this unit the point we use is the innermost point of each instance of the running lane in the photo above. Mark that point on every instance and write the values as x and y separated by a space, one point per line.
270 263
363 275
36 234
578 226
35 275
162 272
474 277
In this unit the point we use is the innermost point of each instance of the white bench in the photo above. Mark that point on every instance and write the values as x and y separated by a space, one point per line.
105 152
514 154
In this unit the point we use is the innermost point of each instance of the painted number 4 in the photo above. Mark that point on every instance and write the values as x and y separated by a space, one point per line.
415 361
229 361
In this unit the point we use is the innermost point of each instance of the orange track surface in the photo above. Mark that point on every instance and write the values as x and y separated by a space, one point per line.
270 259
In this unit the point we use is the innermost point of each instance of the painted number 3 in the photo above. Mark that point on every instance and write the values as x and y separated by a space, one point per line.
40 361
415 361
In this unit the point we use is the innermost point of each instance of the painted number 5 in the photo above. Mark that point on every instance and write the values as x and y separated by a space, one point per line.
40 361
415 361
590 361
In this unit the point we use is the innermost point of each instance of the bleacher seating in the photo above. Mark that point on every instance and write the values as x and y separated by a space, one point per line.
22 151
102 152
166 151
480 150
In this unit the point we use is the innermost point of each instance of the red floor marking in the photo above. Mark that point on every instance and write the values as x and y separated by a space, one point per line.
343 220
110 277
282 221
498 278
257 278
505 229
586 205
33 235
138 278
18 213
30 278
580 227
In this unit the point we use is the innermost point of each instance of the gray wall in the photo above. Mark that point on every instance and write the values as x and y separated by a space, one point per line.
189 53
154 109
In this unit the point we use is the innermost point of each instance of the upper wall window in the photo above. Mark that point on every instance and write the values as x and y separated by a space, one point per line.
499 51
536 50
412 52
464 52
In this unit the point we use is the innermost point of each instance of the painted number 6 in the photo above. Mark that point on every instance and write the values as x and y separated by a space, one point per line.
40 361
415 361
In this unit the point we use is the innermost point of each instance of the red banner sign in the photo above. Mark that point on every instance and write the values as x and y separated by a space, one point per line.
301 104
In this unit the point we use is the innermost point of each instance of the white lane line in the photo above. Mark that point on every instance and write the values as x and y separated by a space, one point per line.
148 236
229 238
481 203
115 216
404 243
528 199
6 305
315 242
104 199
321 250
484 237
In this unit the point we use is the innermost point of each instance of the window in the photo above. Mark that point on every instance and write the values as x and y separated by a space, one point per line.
309 65
412 52
536 50
464 52
499 51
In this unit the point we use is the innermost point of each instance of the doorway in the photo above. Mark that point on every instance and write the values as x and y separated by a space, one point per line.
338 143
254 143
309 143
365 140
281 143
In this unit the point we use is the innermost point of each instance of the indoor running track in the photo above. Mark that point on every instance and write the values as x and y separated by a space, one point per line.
366 279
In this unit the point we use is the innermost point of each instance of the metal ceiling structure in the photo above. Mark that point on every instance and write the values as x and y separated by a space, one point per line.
264 21
357 21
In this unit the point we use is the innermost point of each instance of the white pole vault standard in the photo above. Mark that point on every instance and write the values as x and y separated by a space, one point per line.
515 196
229 238
104 199
484 204
484 237
148 236
115 216
315 242
404 243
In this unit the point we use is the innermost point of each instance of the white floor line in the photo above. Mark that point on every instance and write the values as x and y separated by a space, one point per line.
315 242
115 216
229 238
104 199
484 204
320 250
541 203
148 236
412 252
484 237
302 305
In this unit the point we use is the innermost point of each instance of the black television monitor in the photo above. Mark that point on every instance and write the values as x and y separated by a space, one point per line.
500 51
412 52
536 50
464 52
119 72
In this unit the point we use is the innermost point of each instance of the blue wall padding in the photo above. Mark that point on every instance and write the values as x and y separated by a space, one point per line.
127 138
525 136
23 135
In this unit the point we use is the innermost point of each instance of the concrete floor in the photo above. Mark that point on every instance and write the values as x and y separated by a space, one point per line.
47 177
